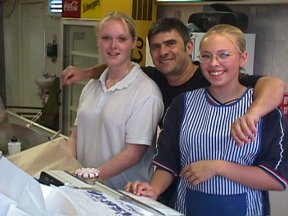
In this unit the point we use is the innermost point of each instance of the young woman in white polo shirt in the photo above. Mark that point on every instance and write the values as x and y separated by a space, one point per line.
118 113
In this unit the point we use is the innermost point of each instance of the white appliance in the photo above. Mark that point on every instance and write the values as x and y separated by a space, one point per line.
250 46
79 49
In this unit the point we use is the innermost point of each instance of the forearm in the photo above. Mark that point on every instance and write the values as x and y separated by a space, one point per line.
161 180
251 176
268 94
95 72
127 158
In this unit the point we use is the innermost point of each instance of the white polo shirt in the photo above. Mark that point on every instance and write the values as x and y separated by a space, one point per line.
107 119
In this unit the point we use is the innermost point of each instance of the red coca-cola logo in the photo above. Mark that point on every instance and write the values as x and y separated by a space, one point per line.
71 8
71 5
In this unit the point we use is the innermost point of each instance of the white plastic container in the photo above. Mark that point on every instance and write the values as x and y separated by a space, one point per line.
14 146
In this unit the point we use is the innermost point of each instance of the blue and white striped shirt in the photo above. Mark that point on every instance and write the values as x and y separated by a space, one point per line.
196 127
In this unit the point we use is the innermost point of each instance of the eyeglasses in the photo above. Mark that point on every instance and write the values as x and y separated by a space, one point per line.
220 57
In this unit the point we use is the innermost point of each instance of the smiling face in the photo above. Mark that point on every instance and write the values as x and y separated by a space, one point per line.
115 42
169 53
221 60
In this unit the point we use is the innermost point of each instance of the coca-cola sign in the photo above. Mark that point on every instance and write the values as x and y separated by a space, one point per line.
71 8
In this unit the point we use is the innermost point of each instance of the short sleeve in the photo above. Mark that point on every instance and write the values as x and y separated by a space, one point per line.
150 71
248 80
142 123
273 157
167 153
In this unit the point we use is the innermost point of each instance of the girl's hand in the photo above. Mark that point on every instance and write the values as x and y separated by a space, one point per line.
200 171
141 189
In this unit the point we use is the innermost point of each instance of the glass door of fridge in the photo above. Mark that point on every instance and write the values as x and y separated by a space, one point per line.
80 50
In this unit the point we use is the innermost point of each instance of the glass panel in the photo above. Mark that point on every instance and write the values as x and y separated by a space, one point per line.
79 49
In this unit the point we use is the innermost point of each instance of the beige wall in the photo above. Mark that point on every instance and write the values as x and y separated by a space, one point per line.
12 47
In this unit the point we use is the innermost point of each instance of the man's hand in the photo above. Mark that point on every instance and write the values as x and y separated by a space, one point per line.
268 94
244 129
72 74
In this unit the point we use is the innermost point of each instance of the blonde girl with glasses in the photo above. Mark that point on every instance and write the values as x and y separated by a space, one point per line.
217 177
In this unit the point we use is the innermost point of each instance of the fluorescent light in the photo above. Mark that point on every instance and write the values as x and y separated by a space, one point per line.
56 6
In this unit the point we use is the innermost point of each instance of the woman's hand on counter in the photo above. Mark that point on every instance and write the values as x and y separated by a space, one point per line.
141 189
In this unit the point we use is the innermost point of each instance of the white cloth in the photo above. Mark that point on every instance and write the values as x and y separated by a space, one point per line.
107 119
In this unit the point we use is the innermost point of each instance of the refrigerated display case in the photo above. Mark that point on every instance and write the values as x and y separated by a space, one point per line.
79 49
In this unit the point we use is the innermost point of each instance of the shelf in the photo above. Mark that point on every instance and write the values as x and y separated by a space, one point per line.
81 83
85 54
80 22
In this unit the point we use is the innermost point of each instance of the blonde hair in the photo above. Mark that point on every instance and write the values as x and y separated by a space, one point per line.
126 20
234 34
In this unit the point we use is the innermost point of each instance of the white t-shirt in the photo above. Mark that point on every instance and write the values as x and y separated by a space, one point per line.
107 119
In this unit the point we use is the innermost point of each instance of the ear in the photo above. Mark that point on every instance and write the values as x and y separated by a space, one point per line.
190 47
244 59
